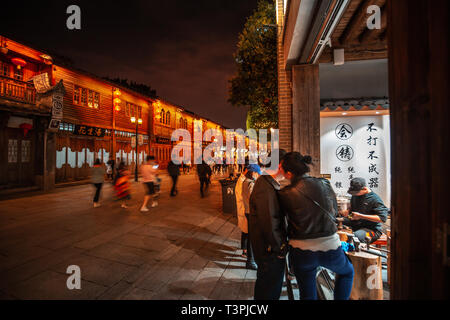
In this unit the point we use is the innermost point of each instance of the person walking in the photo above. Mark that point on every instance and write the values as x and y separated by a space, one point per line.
122 184
252 173
97 178
267 232
174 172
148 171
204 175
311 208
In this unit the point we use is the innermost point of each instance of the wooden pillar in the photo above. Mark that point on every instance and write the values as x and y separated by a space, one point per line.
419 95
306 113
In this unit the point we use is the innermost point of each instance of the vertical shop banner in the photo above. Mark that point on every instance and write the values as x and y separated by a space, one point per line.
353 147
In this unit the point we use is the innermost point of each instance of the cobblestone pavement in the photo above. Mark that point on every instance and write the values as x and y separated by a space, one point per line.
185 248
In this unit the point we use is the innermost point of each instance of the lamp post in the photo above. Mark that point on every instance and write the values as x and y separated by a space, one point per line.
138 122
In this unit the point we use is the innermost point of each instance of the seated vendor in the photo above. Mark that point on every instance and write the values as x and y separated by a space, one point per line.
367 212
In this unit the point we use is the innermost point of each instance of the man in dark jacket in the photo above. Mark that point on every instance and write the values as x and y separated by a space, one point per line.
367 212
267 233
204 173
174 172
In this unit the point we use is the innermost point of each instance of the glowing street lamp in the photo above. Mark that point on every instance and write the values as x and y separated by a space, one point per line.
138 122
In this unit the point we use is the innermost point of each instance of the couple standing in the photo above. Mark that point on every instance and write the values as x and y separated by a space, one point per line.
309 235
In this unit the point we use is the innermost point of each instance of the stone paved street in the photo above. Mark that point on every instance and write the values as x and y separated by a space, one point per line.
185 248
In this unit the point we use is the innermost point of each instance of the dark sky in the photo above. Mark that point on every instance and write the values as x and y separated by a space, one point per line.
181 48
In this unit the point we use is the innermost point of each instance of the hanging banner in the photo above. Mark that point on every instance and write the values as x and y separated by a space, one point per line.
41 83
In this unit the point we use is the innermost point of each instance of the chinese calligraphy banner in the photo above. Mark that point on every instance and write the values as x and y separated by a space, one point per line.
89 131
353 147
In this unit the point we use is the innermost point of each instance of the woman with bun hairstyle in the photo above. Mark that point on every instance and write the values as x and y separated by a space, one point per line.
310 206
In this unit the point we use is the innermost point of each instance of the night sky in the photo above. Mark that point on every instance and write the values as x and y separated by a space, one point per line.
182 48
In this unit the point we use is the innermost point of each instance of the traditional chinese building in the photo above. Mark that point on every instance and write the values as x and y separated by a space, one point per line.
56 120
25 145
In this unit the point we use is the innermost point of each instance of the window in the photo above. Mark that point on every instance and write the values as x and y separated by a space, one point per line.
185 124
86 97
127 109
139 112
83 96
4 69
168 118
161 119
76 95
96 100
91 99
12 151
26 151
18 74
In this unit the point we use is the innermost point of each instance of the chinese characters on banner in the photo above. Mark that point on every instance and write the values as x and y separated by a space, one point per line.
356 147
89 131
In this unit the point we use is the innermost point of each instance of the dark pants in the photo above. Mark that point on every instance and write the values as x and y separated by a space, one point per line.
173 191
305 264
269 278
203 185
98 187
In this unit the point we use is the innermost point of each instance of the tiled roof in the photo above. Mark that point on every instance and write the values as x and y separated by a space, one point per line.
360 104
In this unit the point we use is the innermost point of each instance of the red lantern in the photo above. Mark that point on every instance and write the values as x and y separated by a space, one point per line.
26 127
19 62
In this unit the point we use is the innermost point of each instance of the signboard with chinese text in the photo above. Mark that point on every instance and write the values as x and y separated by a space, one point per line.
89 131
356 146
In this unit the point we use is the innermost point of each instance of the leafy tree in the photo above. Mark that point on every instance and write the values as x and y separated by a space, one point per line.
255 83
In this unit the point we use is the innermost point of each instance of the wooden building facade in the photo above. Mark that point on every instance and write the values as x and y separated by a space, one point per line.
96 119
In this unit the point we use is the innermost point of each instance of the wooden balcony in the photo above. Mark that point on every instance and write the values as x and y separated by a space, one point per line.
17 90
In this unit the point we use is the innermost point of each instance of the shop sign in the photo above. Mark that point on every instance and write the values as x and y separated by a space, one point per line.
89 131
162 140
356 147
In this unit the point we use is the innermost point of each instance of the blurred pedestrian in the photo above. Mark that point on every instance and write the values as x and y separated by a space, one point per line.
148 171
240 210
97 178
252 173
122 184
174 173
204 175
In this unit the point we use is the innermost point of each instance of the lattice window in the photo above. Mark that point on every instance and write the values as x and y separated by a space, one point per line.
18 74
12 151
96 100
26 151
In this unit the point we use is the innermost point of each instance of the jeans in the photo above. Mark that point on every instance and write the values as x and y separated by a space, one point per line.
98 187
173 191
305 263
269 278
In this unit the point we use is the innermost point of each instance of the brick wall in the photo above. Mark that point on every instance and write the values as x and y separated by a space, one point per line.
284 87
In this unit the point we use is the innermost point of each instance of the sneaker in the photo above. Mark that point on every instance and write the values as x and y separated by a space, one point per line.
144 209
244 254
154 204
124 206
96 205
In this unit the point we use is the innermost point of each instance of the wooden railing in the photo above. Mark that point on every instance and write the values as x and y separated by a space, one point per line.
17 90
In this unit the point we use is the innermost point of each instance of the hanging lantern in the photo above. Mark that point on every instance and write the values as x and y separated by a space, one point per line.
26 127
19 62
116 100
